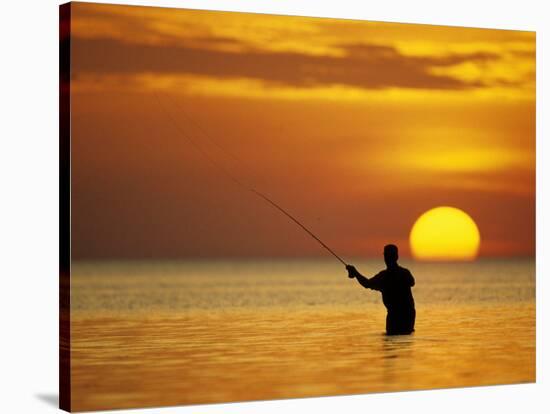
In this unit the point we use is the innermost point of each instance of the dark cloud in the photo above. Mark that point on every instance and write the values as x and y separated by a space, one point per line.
365 66
528 54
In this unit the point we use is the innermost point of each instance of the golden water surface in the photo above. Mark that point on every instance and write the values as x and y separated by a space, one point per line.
144 354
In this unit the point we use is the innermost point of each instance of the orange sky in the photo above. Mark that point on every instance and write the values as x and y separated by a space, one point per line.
355 127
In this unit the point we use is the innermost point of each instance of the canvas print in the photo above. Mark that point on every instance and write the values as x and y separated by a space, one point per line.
258 207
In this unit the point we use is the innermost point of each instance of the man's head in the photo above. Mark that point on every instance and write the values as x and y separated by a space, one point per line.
391 254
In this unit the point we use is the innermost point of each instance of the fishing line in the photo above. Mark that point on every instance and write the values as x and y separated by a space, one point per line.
197 146
229 175
205 134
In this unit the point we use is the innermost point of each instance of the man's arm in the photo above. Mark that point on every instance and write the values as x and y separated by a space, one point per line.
372 283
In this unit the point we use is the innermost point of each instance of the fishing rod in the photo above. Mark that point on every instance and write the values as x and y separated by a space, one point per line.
286 213
235 179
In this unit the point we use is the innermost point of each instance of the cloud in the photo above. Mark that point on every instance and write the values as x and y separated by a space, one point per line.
366 66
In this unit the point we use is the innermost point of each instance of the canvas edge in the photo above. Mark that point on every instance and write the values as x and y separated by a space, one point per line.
64 207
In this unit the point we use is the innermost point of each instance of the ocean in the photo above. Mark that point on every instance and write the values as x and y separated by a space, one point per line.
192 332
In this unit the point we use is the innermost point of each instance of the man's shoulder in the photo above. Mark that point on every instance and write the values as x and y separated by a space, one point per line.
398 270
381 273
404 270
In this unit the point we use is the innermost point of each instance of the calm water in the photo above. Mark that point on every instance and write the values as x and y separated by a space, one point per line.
168 333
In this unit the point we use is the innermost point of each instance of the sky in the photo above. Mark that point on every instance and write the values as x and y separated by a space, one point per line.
355 127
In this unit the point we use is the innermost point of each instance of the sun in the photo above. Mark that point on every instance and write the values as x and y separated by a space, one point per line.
445 233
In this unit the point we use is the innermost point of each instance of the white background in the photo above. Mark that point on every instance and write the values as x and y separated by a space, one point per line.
29 204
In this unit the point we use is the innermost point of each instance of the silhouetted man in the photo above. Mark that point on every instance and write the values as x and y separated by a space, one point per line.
395 283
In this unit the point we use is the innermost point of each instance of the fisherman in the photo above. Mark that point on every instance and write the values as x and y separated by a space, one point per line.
395 283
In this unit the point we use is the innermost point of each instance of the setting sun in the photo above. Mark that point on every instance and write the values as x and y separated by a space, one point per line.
444 233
